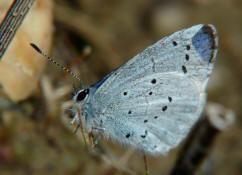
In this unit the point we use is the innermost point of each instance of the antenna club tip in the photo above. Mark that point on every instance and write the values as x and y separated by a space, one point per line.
36 47
53 61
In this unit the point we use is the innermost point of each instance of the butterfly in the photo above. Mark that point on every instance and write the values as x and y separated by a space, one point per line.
152 101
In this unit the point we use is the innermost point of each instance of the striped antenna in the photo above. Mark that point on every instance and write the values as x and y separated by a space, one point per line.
54 62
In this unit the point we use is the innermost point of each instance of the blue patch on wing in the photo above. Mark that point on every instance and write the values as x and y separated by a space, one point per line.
204 43
99 83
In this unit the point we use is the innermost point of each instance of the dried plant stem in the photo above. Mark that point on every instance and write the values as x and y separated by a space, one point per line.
12 21
146 165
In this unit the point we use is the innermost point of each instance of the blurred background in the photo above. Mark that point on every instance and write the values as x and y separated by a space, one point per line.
94 37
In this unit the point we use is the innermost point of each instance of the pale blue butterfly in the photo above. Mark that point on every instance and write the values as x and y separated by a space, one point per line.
152 101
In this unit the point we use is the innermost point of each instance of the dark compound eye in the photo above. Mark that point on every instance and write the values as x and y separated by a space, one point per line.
82 95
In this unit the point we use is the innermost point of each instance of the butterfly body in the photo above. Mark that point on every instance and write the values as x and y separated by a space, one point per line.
152 101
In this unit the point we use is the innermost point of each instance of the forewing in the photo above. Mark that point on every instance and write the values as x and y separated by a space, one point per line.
152 101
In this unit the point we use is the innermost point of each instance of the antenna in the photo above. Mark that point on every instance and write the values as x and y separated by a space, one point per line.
54 62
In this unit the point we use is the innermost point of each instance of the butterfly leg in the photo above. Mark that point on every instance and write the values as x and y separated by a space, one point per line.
75 119
77 127
96 141
101 131
98 128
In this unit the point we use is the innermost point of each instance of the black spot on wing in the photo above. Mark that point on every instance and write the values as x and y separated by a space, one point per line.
188 47
169 99
184 69
128 135
174 43
144 135
164 108
187 57
153 81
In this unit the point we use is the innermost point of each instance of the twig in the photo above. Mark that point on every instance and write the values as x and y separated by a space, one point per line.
12 21
147 172
201 139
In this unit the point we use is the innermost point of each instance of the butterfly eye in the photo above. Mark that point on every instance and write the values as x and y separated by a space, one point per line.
82 95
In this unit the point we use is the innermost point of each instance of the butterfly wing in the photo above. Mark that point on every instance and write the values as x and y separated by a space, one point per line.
153 100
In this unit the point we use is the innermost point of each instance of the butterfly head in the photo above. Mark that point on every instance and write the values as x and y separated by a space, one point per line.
81 95
79 99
